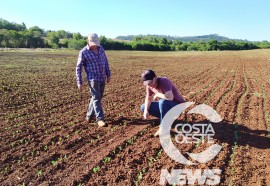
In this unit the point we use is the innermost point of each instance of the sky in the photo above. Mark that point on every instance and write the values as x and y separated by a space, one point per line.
236 19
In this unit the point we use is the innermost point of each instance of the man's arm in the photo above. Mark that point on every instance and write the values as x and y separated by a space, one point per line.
167 88
168 95
107 68
79 71
147 104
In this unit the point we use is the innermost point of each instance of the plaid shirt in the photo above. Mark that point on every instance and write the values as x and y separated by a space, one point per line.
96 66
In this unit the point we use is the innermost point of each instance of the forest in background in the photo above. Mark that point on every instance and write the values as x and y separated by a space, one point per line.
14 35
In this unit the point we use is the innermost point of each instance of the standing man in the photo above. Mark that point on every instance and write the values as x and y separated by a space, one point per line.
93 58
163 89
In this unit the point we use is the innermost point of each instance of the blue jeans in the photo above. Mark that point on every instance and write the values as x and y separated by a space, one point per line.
159 108
95 106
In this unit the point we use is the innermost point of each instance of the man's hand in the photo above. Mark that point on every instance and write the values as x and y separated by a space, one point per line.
145 115
168 96
108 79
158 95
155 97
80 87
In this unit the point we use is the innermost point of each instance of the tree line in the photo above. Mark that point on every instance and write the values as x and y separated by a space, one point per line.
13 35
183 39
150 43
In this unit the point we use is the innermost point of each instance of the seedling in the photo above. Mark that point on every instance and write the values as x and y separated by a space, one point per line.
151 160
54 163
39 173
106 160
45 148
96 169
114 128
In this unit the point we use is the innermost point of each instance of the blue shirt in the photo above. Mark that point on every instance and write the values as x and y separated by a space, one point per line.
96 66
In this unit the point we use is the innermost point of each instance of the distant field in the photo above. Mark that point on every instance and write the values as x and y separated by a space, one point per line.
44 138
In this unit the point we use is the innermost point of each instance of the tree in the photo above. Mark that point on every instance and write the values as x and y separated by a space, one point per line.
224 46
193 47
34 39
103 40
231 45
53 40
76 44
15 38
5 38
137 38
183 47
36 28
77 36
11 26
212 45
163 47
62 34
163 41
63 43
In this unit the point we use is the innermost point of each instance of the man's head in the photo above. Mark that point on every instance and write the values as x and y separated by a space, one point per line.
93 40
149 78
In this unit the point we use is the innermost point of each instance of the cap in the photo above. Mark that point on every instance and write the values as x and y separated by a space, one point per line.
148 76
93 39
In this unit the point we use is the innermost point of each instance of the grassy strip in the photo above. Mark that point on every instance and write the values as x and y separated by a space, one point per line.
239 110
265 111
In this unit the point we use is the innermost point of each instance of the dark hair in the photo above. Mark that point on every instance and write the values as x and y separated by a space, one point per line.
148 75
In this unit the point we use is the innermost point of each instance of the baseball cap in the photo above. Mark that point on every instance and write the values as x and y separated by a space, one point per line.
93 39
148 76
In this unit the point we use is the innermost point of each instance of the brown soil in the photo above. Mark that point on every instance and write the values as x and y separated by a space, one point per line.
45 139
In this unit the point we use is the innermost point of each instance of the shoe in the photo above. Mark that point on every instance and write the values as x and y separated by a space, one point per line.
101 123
157 133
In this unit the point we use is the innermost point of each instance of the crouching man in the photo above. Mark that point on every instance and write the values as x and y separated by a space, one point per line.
158 88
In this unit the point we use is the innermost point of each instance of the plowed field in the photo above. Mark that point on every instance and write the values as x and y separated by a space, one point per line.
45 140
